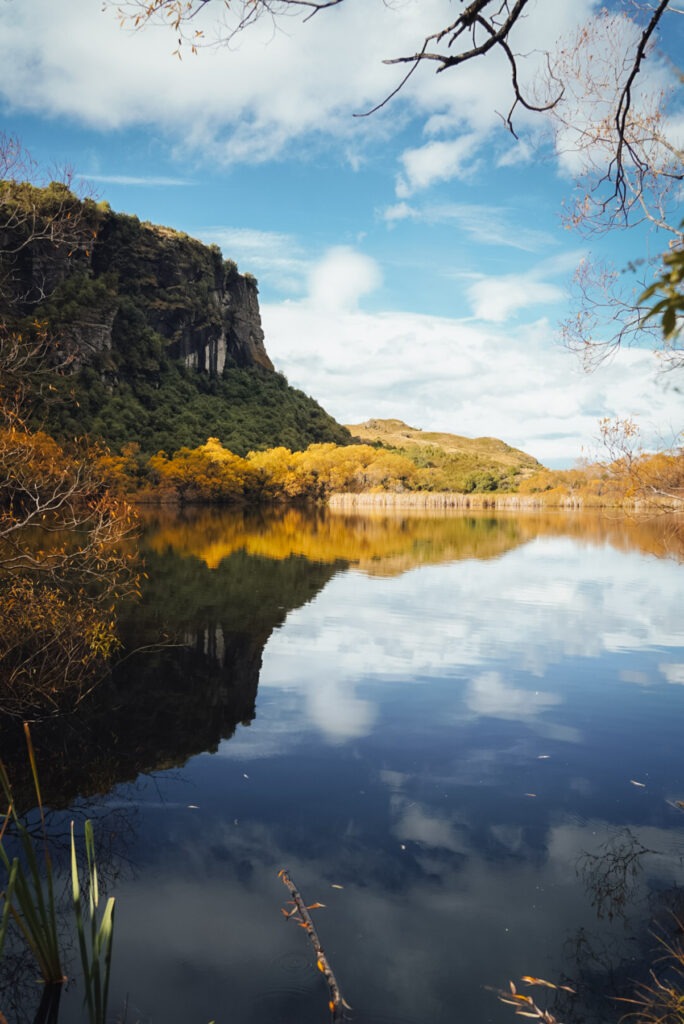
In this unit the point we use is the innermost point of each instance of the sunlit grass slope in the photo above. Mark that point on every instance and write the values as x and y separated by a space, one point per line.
451 462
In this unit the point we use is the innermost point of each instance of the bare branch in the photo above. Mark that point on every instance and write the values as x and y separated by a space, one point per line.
616 166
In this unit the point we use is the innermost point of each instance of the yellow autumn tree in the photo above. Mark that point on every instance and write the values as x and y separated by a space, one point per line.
63 564
209 472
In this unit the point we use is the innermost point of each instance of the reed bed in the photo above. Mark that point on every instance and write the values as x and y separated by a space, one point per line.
443 500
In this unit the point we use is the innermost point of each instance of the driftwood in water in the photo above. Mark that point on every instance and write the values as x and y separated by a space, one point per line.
300 912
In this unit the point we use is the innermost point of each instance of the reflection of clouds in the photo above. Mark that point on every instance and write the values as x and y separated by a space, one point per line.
473 900
415 823
529 610
489 695
674 673
639 678
338 712
567 843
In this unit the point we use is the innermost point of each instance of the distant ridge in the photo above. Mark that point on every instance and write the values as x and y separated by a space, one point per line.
450 460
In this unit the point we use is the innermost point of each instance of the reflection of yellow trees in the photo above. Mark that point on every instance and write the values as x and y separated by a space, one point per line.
388 544
61 568
378 543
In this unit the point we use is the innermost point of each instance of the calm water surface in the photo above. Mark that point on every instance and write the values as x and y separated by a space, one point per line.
461 734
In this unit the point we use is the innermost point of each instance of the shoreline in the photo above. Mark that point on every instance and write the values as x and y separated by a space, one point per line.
447 500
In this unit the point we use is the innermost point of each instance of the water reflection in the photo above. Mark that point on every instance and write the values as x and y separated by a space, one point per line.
393 543
447 718
194 646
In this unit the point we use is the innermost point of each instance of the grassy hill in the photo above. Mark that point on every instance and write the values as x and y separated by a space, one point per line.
450 462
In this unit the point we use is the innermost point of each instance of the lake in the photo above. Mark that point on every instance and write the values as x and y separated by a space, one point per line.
461 733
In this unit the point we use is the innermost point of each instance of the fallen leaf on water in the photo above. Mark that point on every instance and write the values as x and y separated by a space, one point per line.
641 785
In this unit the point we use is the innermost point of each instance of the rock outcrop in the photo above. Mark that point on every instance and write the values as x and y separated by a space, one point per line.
204 309
154 337
100 278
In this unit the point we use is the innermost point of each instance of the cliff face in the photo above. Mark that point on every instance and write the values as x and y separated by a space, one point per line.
155 338
94 275
206 312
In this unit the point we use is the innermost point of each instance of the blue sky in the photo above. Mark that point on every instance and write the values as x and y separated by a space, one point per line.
412 264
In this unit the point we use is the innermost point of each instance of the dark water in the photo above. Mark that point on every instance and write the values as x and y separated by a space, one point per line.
463 735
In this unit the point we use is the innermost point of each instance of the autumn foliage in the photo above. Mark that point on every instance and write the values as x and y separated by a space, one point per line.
62 561
212 473
62 569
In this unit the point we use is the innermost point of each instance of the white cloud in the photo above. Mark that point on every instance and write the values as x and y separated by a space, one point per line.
341 278
271 87
148 181
399 211
519 153
245 102
673 673
489 225
275 257
454 374
496 299
437 161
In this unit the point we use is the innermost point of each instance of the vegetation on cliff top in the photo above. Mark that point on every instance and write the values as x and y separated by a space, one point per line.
153 336
63 566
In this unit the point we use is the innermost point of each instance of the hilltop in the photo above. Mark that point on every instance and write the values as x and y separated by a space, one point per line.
450 461
153 336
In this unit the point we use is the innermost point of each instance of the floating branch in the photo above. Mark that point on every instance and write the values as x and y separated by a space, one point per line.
525 1006
300 912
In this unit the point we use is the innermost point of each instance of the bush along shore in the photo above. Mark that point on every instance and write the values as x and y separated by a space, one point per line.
360 476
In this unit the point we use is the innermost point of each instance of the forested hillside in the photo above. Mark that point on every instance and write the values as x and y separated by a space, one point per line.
154 337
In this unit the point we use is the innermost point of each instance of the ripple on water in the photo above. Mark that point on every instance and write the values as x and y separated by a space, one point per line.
285 1004
293 963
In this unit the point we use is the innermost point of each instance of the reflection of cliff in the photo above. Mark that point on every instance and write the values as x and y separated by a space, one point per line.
195 645
219 583
391 543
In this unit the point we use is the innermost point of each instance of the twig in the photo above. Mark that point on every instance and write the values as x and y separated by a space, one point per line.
336 1004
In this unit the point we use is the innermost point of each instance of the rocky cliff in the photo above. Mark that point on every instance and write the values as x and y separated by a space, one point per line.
156 338
206 312
82 266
